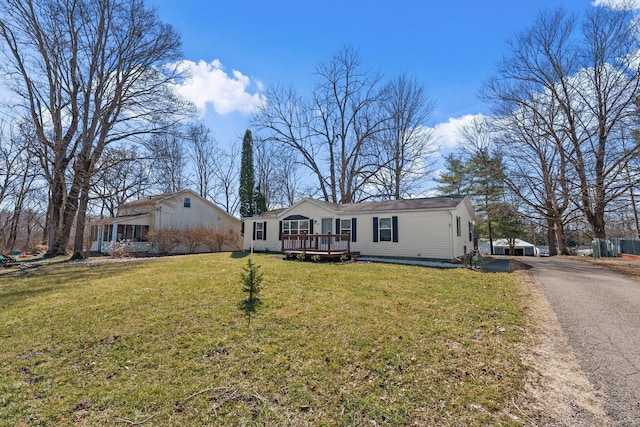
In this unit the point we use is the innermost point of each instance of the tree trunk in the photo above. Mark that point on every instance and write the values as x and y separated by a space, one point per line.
551 237
561 238
78 244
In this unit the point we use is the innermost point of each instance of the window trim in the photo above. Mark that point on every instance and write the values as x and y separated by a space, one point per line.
392 229
381 228
287 223
259 234
343 229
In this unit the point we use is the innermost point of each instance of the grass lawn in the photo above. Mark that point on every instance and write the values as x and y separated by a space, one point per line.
163 342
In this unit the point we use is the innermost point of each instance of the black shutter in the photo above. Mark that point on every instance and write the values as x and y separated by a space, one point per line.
254 230
375 228
280 230
264 230
310 226
353 229
394 226
337 225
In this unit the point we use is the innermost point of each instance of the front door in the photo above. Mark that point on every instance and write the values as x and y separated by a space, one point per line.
327 226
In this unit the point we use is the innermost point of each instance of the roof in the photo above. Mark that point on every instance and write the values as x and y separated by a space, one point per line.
151 201
502 242
426 203
443 202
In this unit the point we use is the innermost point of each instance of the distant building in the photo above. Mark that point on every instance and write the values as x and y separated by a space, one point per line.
502 247
178 210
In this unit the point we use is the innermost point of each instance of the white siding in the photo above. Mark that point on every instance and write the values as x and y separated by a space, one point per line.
315 212
421 234
429 234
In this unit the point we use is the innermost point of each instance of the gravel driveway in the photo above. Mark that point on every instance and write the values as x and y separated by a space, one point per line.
599 311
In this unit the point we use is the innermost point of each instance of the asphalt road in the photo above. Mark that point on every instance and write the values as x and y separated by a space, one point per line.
599 312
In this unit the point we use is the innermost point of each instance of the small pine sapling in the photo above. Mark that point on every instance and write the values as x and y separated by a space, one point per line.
251 280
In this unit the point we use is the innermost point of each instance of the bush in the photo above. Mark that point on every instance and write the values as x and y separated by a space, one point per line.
165 240
193 238
217 238
119 249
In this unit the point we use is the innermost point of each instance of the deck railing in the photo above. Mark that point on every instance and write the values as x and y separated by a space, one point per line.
324 243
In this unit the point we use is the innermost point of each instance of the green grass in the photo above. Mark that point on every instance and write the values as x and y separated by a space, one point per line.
163 342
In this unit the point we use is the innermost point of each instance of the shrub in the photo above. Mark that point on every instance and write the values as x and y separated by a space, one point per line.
165 240
192 238
217 238
119 249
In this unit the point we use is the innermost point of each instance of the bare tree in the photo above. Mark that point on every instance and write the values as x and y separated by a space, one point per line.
226 172
19 173
331 132
169 161
405 144
88 74
538 169
202 151
121 175
592 74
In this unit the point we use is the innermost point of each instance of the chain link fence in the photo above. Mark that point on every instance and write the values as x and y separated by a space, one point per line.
605 248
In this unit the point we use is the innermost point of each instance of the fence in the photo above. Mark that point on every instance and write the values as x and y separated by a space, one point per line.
603 248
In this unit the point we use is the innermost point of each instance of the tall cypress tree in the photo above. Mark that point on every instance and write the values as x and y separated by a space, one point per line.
247 180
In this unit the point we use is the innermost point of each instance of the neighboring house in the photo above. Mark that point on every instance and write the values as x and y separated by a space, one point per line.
502 247
180 210
439 228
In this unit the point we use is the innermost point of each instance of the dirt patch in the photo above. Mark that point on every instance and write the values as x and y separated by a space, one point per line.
557 392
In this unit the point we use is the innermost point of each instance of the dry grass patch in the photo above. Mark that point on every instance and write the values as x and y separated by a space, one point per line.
162 342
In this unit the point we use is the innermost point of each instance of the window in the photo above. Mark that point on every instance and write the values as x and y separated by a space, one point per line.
187 202
458 226
259 231
94 233
470 231
345 226
107 233
384 228
131 233
295 226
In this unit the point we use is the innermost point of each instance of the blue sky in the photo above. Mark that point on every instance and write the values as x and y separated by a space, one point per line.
237 48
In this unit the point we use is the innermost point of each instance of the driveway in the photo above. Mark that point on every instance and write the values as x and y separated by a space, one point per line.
599 312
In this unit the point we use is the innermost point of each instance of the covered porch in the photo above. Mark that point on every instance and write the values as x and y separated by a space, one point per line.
326 246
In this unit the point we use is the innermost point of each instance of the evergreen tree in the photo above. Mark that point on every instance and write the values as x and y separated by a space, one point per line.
454 180
259 202
251 280
247 180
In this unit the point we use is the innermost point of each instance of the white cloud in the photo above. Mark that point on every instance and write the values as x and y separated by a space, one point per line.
210 85
448 133
618 4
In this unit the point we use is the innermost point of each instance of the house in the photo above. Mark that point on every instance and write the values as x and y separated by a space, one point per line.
177 211
502 247
438 228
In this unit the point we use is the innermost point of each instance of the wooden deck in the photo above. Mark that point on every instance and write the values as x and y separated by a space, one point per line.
326 246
